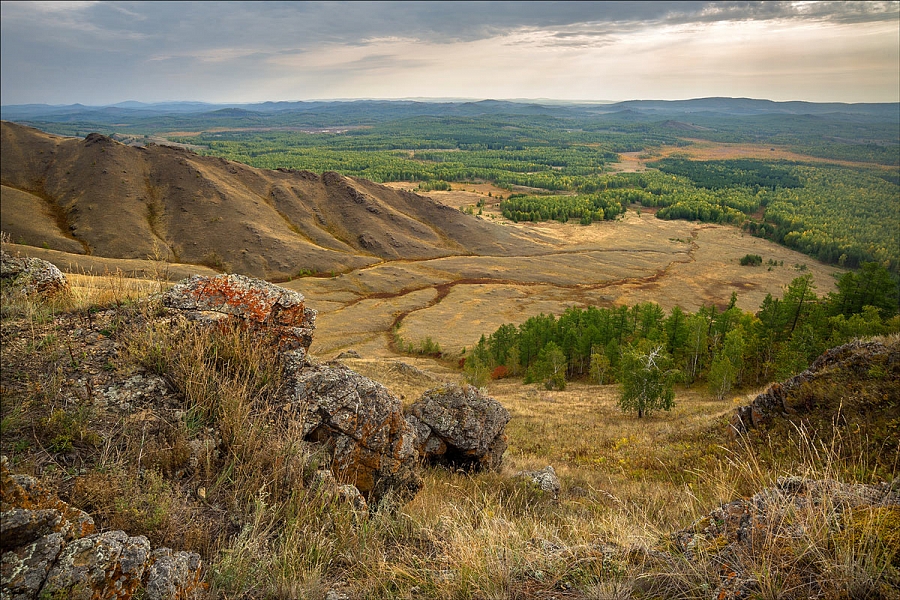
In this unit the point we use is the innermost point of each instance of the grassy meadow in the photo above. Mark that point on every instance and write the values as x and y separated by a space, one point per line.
214 467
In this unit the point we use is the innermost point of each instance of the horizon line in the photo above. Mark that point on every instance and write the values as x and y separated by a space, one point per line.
439 99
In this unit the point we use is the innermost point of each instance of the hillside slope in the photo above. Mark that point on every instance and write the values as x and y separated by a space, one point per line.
100 197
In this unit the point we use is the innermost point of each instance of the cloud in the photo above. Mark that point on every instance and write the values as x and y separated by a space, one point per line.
111 51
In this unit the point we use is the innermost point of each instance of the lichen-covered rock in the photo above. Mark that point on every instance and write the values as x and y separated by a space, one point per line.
105 565
544 479
735 534
172 575
49 550
28 511
458 426
21 526
362 424
252 302
31 276
854 362
24 568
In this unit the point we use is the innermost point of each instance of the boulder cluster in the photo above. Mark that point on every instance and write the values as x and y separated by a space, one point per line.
51 550
375 449
373 444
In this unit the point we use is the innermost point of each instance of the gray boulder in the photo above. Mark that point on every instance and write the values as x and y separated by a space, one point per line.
31 276
459 427
371 445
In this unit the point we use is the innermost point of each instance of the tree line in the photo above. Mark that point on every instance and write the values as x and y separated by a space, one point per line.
838 214
723 349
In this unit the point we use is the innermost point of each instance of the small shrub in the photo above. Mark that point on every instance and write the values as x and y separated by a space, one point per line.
426 347
63 430
751 260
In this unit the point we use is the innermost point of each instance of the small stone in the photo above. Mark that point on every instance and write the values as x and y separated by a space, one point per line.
545 479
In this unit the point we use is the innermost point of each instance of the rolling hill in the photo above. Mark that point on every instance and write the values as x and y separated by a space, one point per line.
97 196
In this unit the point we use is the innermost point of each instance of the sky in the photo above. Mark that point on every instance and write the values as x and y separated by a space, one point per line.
99 53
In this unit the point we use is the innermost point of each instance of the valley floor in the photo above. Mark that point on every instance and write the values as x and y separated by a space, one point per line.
454 300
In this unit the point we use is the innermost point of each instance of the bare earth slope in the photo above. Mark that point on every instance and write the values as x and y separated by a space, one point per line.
97 196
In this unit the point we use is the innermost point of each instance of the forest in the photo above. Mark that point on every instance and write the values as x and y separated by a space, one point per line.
723 349
839 215
555 160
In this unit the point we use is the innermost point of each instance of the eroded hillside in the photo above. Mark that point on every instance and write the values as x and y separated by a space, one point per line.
97 196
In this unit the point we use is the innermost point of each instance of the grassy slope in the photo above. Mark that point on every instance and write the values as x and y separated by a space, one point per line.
265 532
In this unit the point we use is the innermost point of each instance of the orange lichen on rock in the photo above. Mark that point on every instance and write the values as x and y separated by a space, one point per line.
256 304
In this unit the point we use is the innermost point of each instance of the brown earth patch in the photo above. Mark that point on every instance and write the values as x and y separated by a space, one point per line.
630 162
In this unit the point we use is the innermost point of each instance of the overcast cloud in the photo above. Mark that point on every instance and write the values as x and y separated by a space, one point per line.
107 52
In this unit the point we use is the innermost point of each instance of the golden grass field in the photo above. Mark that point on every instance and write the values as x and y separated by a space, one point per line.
707 150
456 299
625 481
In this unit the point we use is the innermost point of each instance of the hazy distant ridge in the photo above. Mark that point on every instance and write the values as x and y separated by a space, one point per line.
375 110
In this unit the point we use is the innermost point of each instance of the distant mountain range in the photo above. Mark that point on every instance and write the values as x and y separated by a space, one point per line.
356 111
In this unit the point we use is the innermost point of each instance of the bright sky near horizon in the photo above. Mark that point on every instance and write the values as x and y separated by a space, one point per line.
100 53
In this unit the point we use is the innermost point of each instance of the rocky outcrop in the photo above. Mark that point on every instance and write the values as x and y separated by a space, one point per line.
859 361
50 550
31 276
460 427
362 425
738 535
260 305
361 422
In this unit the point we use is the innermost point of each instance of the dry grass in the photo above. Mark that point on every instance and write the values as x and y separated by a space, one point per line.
223 472
707 150
456 299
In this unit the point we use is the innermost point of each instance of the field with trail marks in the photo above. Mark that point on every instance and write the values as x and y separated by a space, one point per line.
456 299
